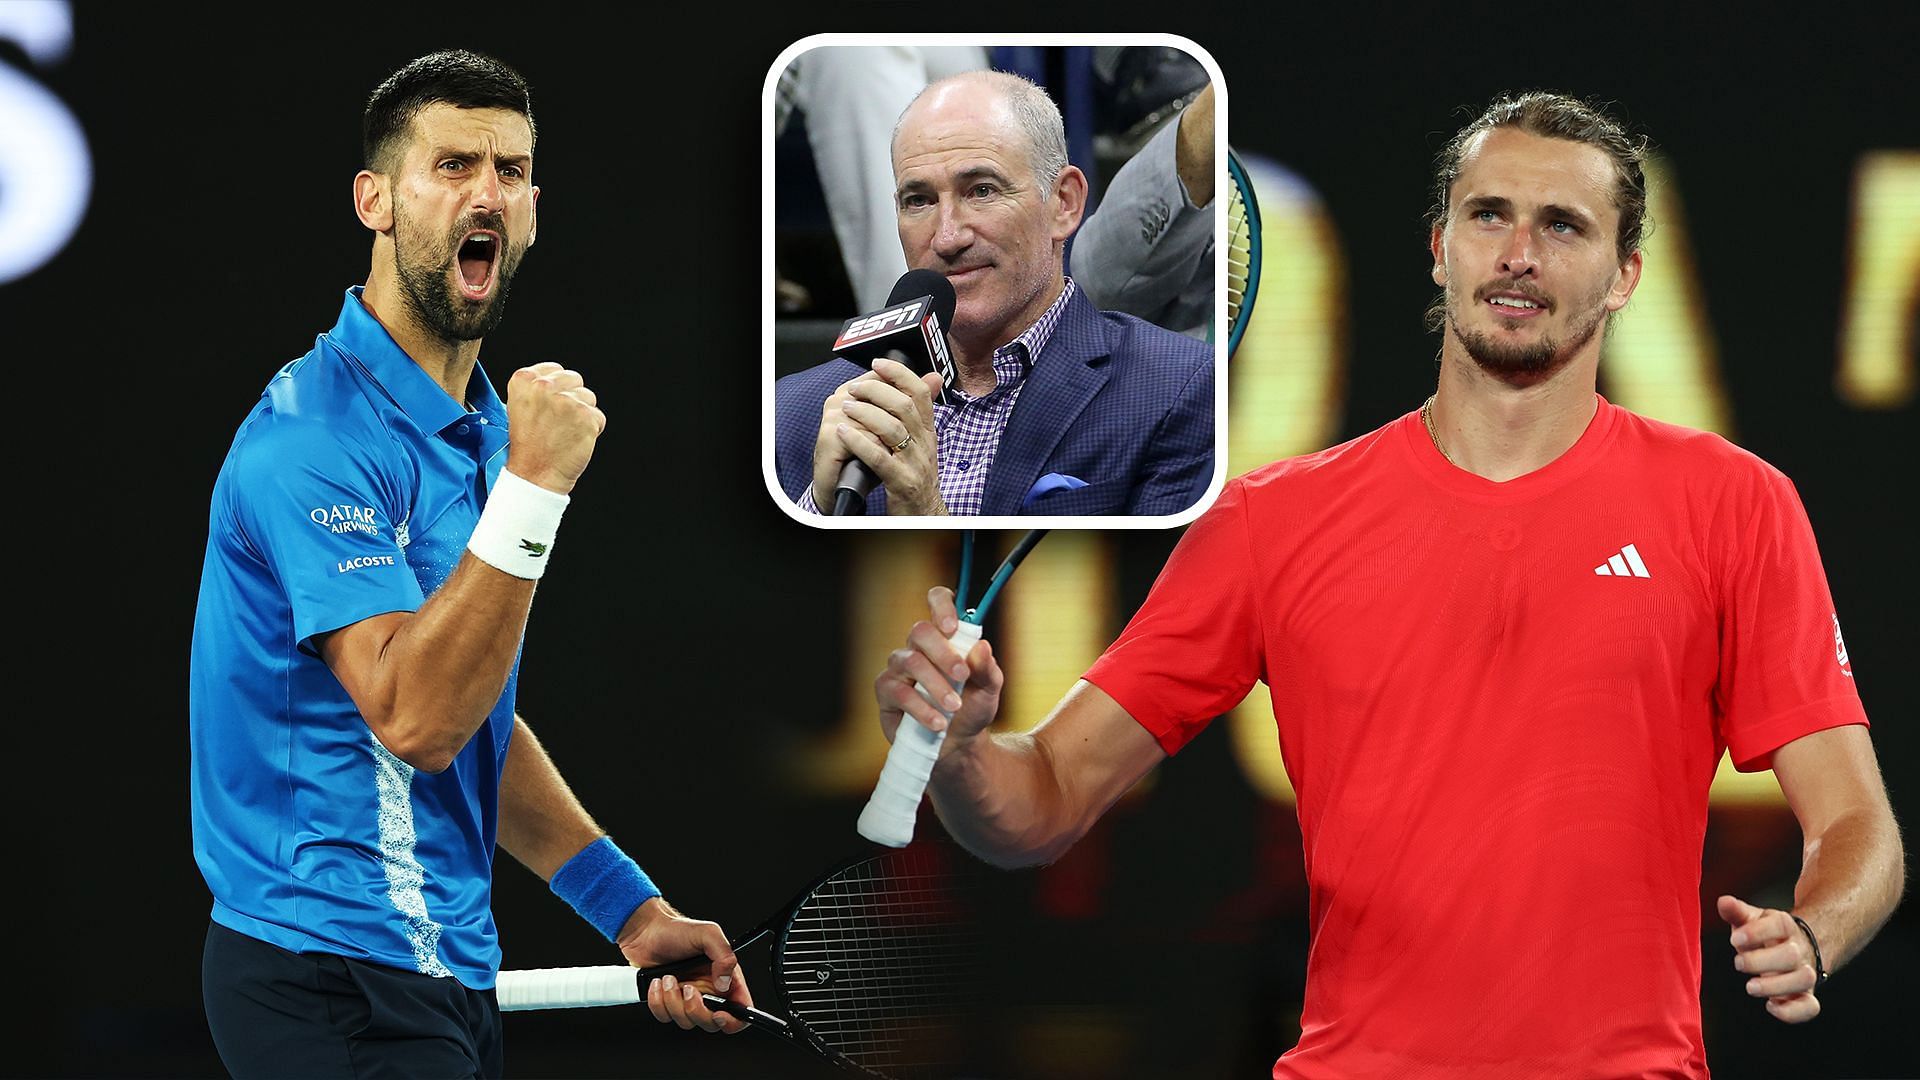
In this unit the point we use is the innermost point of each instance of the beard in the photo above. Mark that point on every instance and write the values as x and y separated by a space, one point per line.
1520 361
427 270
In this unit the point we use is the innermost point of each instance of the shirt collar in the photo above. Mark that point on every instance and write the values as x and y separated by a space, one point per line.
1027 346
361 337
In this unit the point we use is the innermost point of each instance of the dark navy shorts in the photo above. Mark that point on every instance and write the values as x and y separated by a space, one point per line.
278 1013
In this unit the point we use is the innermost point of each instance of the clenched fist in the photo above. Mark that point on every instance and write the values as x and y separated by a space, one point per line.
553 421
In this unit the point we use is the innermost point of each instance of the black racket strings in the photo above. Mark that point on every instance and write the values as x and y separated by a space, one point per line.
882 965
878 966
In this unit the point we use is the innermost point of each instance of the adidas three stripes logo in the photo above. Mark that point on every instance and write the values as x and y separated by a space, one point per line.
1625 564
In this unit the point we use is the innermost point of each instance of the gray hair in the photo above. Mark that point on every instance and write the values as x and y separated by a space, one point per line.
1034 112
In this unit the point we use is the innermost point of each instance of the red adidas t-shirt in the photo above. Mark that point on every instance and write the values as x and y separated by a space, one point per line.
1501 706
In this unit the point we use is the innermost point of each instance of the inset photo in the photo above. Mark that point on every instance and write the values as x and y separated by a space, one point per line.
997 275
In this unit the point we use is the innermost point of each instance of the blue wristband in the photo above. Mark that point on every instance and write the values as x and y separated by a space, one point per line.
604 886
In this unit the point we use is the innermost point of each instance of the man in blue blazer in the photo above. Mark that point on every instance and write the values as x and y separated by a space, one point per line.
1058 408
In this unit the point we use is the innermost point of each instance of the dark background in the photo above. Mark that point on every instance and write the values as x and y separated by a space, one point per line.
687 638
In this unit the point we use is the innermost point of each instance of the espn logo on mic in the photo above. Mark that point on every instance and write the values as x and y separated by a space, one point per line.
862 328
910 332
937 343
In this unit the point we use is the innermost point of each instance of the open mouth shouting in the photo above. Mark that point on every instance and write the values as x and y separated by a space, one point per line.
478 258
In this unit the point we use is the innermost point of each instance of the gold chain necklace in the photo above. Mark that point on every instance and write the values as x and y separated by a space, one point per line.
1426 417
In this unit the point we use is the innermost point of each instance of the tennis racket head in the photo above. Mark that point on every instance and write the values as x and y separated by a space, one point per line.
1243 251
879 967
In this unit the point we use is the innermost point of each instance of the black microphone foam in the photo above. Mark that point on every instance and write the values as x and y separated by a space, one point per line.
926 283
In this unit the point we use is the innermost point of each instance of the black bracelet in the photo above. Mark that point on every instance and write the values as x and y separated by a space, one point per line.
1819 966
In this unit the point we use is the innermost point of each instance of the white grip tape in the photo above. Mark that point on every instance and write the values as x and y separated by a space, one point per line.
889 814
567 988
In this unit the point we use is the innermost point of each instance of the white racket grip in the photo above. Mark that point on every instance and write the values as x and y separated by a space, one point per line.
567 988
889 814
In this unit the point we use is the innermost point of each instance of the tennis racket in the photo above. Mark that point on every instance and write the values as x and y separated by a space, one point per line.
1243 252
875 968
889 814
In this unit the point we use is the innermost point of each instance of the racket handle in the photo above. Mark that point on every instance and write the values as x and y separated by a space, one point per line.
889 815
567 988
716 1003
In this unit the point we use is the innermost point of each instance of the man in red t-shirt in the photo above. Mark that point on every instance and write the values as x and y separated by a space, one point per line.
1508 637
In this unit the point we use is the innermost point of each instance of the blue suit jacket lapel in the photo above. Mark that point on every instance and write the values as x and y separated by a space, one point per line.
1071 370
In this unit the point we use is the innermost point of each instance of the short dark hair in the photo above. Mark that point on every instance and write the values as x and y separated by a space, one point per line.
1559 116
457 77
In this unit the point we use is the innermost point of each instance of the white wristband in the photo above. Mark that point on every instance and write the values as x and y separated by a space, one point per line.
516 529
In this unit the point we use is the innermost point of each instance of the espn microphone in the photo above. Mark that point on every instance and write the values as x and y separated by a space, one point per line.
912 330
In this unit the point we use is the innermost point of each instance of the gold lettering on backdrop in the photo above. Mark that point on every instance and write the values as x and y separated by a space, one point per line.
1661 360
887 577
1056 619
1287 378
1877 343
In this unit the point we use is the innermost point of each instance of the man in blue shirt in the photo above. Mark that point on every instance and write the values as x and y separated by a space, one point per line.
375 535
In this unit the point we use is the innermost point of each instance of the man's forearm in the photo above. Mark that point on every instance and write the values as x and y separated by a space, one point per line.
1193 155
542 824
999 796
1018 800
1851 879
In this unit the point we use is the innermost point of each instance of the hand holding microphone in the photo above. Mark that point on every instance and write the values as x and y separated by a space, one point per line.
887 428
878 428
